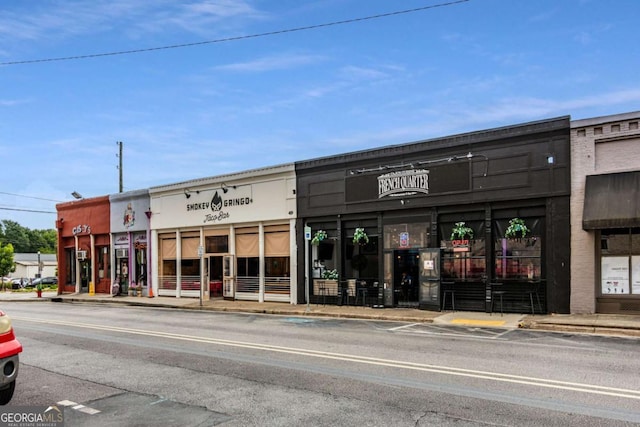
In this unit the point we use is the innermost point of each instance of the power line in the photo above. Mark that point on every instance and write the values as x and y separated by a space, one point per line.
31 197
229 39
26 210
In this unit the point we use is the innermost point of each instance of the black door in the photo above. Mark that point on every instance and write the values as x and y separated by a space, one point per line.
405 277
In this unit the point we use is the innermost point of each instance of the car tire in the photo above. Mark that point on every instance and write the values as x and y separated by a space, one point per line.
7 393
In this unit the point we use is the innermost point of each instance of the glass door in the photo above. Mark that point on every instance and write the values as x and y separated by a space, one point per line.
405 281
228 276
429 278
215 276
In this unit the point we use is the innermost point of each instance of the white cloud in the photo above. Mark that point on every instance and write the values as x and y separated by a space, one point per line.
73 18
582 37
277 62
219 8
12 102
352 72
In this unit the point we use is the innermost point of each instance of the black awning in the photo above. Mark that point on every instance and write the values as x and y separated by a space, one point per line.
611 201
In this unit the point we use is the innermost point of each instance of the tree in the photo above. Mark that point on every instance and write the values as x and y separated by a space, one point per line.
16 235
25 240
6 261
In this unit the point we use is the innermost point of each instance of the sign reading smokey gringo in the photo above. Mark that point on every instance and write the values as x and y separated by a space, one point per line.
403 183
217 206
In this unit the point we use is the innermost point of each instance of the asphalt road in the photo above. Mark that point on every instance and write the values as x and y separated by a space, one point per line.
118 365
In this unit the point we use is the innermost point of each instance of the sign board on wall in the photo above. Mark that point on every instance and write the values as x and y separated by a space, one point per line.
262 201
615 275
438 179
128 214
635 274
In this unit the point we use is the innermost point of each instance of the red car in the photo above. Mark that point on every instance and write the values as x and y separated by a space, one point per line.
9 362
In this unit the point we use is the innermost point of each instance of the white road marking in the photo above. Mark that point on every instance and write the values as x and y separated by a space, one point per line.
444 370
78 407
402 327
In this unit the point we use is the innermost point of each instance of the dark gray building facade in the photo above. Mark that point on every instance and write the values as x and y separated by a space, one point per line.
481 218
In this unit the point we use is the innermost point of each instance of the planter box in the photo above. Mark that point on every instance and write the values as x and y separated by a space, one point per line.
330 286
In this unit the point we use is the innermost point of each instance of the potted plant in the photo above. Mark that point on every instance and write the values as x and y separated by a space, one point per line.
318 237
360 237
330 274
517 229
460 232
39 290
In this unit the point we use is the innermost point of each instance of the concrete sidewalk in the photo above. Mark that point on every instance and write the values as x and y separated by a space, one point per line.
604 324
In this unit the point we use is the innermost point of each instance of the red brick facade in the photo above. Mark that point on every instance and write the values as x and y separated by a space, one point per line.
84 225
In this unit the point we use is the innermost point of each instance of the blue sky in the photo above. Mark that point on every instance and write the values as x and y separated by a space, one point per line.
229 106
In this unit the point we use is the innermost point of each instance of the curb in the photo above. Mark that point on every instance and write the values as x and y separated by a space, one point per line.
603 328
279 312
583 328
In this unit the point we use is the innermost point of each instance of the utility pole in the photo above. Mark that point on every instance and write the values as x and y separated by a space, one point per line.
120 165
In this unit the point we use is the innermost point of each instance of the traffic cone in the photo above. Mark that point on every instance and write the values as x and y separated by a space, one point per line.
150 292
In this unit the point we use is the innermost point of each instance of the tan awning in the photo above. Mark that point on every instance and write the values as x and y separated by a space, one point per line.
612 201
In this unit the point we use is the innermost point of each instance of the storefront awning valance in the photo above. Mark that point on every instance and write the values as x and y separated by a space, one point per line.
612 201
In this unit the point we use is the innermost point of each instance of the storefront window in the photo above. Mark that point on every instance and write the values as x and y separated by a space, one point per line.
104 268
249 267
324 254
141 265
463 250
615 242
406 236
518 258
248 279
168 267
70 261
362 259
620 261
190 267
463 260
217 244
276 266
518 248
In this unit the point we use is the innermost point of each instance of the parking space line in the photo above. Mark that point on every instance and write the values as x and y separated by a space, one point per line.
402 327
78 407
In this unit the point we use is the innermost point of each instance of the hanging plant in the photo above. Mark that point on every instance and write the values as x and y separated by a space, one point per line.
460 231
517 229
360 237
318 237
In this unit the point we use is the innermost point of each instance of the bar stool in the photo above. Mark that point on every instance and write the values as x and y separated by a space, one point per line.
448 288
322 290
345 293
531 291
362 294
497 291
